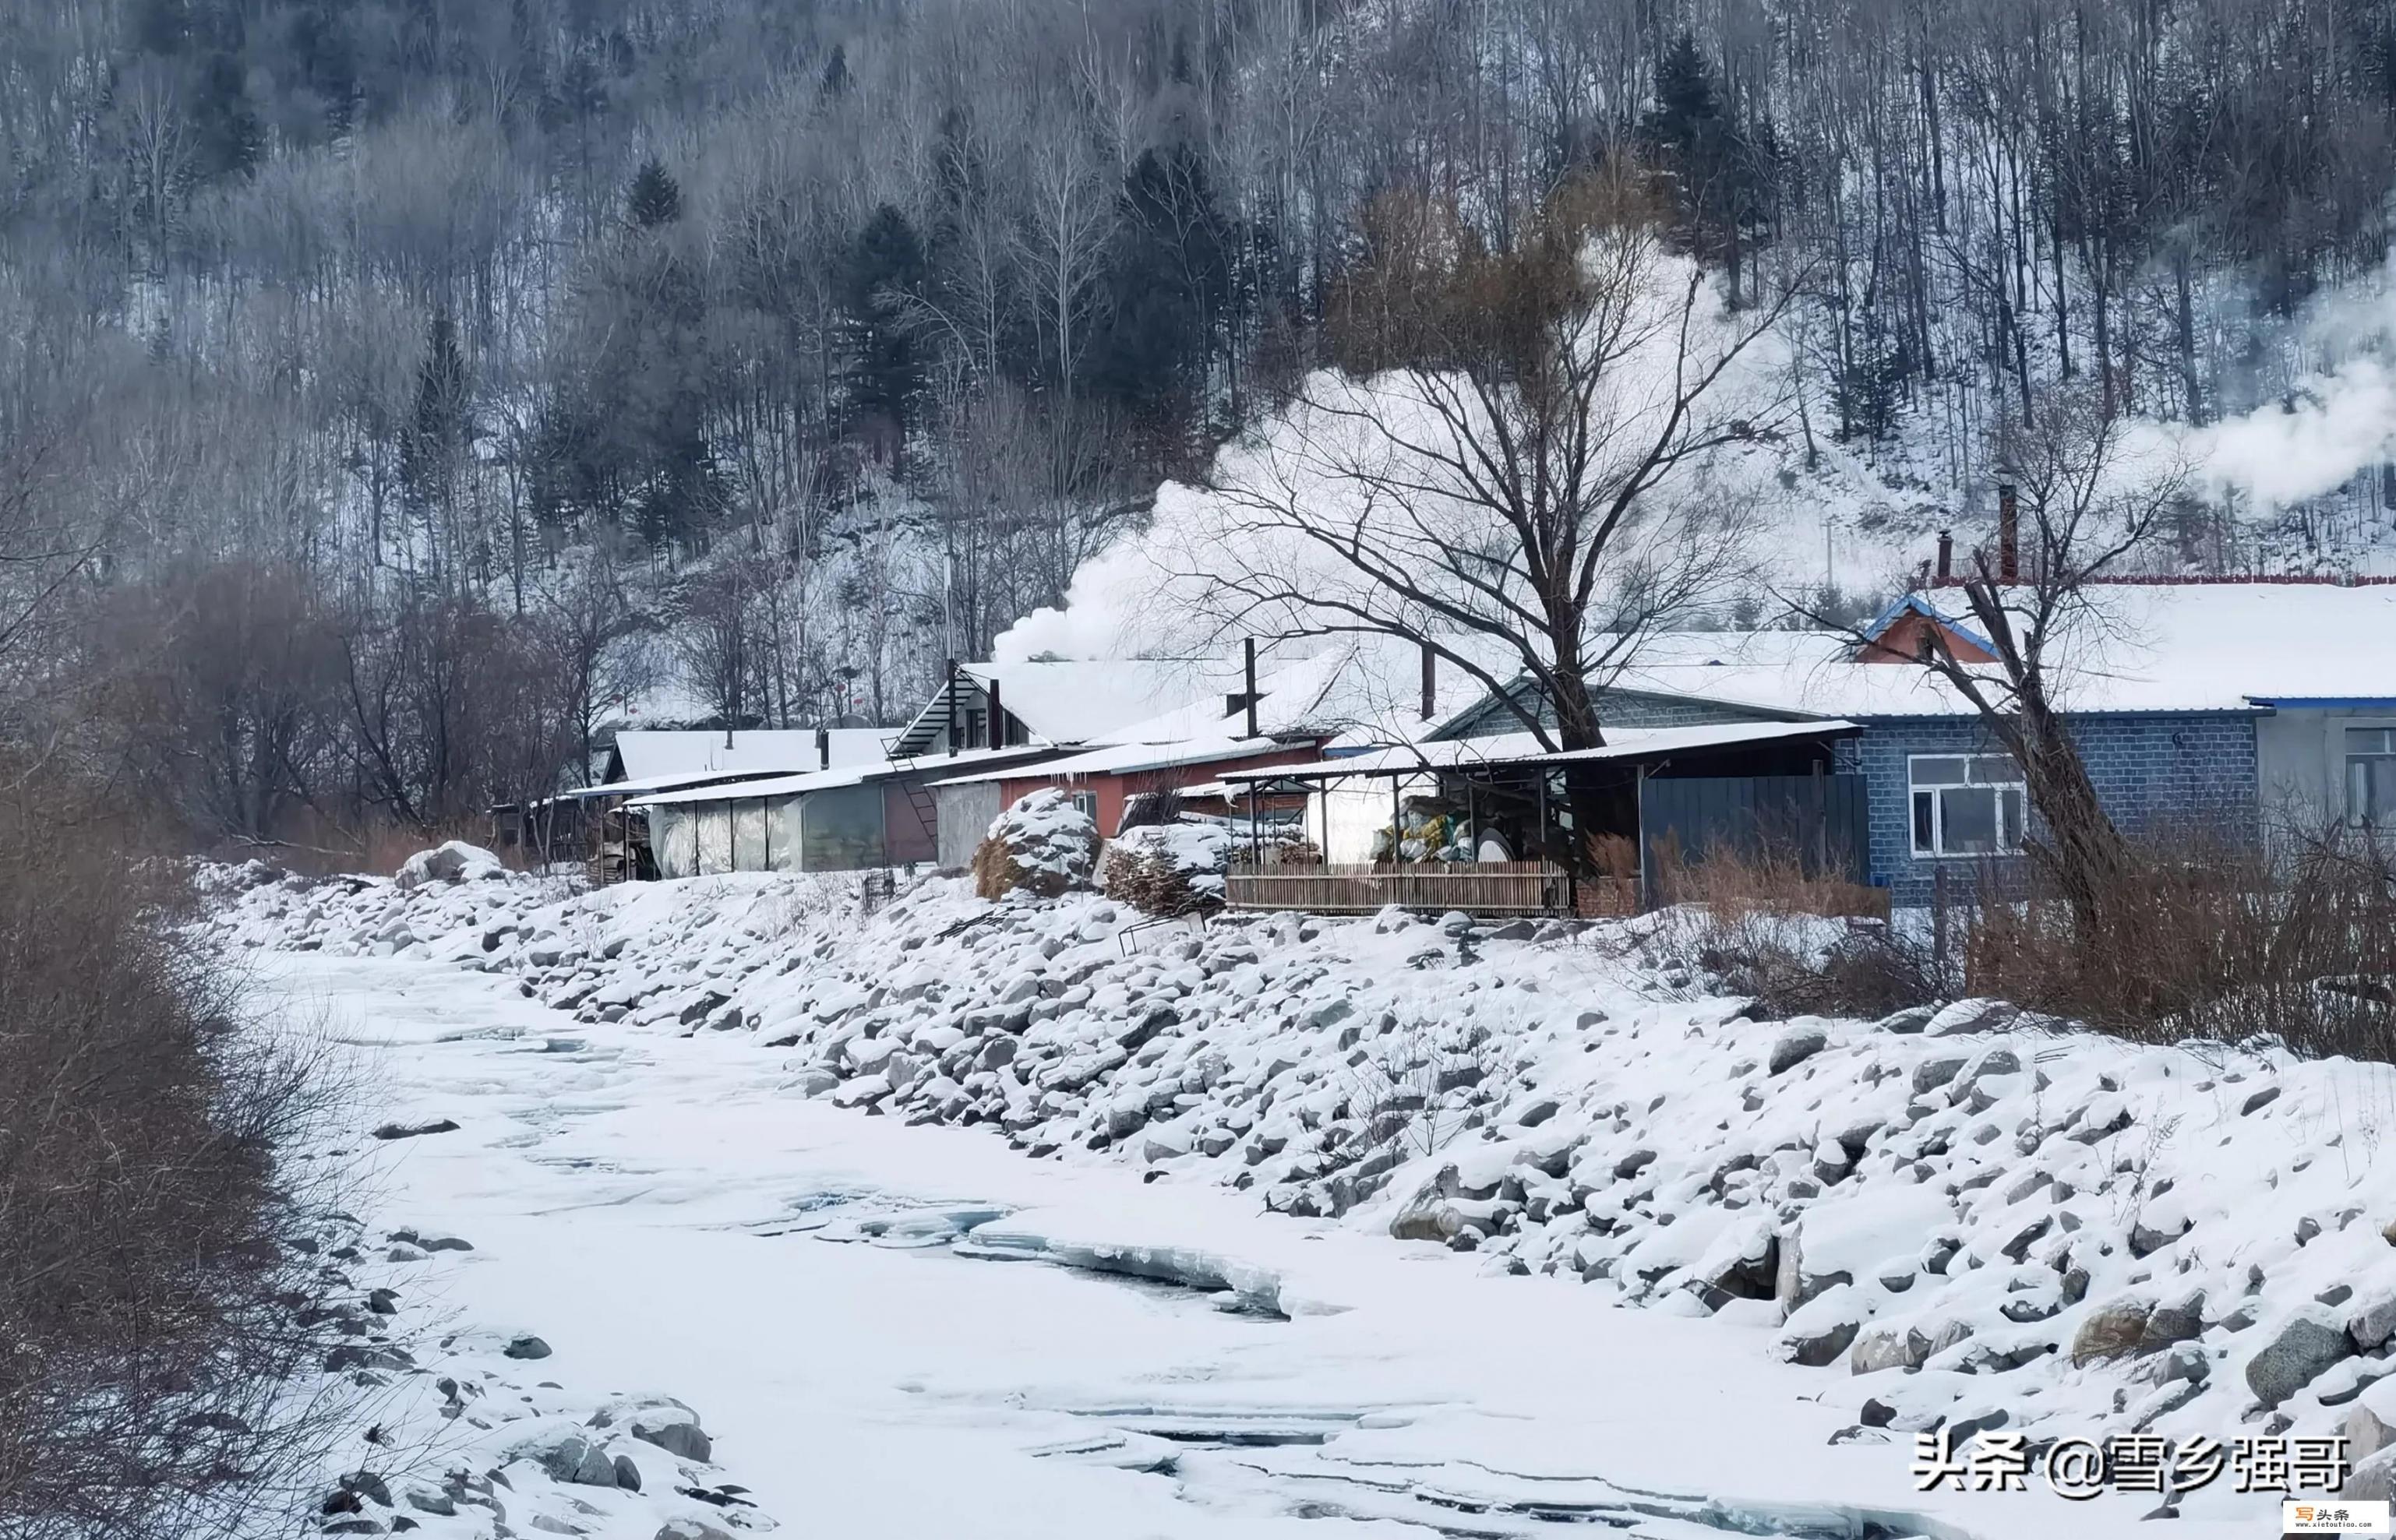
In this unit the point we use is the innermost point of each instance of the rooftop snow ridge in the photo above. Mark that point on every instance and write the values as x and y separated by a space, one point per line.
1972 1214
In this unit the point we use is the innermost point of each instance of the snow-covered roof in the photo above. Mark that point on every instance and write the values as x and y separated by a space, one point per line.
934 767
671 782
1059 702
1122 759
1511 748
2131 648
649 754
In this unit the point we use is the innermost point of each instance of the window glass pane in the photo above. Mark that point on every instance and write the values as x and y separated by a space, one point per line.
1925 830
2371 740
2011 804
1994 770
1967 817
2371 789
1939 772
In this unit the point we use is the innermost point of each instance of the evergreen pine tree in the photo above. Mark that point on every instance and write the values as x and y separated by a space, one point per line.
437 427
886 265
656 198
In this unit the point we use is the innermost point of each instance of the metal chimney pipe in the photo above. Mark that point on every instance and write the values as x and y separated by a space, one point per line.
949 701
1430 682
823 747
1946 556
1248 679
997 731
2008 534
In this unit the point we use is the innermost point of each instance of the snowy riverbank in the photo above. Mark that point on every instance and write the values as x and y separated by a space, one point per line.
1991 1228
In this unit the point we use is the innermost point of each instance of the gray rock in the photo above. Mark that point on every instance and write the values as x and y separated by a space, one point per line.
1970 1016
569 1458
2180 1319
2310 1341
411 1131
1796 1046
1821 1349
689 1529
526 1346
2372 1480
1538 1111
628 1475
2259 1101
1911 1020
675 1431
2374 1321
1932 1073
2365 1434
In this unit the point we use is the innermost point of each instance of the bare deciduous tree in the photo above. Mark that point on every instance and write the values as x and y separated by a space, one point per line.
1514 458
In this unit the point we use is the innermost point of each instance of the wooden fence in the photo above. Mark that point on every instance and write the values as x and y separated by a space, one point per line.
1476 887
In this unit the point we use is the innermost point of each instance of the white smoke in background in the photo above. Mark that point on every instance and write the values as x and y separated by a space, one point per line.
2331 424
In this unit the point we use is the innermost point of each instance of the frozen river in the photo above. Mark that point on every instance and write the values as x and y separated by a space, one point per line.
669 1213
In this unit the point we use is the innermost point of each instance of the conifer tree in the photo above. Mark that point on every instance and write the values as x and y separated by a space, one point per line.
656 198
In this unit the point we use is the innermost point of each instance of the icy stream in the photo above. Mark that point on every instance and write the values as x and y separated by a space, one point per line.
894 1331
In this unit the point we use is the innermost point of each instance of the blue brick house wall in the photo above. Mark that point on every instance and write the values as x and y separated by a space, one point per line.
2150 770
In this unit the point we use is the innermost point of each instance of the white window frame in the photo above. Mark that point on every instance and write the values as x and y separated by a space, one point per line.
2346 759
1087 802
2009 839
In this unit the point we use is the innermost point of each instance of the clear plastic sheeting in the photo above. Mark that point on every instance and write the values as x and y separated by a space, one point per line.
673 841
782 833
748 836
714 838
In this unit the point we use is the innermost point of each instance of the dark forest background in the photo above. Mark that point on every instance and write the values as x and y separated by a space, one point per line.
392 389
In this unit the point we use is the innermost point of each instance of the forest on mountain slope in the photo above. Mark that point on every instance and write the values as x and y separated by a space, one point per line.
392 389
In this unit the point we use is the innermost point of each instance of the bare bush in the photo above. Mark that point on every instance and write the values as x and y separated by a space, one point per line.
2212 936
155 1275
1797 940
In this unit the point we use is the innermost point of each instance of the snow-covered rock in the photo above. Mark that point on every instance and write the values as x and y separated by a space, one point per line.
454 861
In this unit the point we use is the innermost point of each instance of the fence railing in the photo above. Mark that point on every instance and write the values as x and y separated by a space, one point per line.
1476 887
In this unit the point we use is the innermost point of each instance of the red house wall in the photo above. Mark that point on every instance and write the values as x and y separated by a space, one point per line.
1115 791
1904 639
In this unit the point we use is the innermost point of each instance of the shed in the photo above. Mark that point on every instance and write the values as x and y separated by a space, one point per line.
1503 824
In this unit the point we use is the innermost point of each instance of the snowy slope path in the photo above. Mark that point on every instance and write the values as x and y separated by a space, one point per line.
661 1211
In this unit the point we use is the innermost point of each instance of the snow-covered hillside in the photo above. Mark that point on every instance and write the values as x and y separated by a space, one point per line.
1961 1217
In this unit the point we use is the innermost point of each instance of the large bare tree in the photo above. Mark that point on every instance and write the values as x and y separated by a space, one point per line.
1512 460
2094 492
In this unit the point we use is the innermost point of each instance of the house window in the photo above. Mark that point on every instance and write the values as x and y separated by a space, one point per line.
1087 802
2371 776
1965 804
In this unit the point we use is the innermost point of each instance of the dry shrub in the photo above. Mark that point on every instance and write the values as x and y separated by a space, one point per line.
1798 941
2213 937
154 1291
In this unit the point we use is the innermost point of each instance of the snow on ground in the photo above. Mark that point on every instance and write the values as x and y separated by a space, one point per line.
1973 1219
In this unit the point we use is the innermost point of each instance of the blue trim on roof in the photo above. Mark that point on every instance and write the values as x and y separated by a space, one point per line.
2252 709
1913 604
2327 703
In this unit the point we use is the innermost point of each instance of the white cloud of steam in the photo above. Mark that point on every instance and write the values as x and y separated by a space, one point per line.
2331 425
